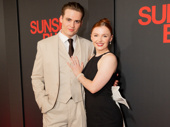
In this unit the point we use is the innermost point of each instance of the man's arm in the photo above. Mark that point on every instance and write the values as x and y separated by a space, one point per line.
38 82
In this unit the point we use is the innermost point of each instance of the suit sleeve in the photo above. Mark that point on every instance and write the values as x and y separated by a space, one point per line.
37 77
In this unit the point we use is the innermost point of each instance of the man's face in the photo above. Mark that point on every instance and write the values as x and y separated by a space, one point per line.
71 22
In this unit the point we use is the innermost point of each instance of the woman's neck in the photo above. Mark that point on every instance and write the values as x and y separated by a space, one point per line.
98 53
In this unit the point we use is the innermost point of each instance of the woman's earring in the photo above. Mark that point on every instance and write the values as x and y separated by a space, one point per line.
110 42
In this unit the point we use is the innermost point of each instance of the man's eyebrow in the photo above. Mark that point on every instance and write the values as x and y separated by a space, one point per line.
68 18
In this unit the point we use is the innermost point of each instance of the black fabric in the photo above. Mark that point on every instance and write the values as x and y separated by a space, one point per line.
71 49
101 110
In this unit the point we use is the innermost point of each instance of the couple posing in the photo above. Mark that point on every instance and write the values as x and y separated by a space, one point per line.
59 80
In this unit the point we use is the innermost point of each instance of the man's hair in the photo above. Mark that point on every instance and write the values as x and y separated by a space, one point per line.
73 6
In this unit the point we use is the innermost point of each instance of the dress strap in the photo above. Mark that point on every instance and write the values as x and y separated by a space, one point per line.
105 53
102 54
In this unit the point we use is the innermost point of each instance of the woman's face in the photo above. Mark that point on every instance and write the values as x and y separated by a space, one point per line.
101 37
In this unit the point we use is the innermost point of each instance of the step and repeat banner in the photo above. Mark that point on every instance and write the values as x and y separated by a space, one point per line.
142 44
142 31
39 19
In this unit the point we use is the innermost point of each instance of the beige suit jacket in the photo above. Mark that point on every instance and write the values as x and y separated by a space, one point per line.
45 74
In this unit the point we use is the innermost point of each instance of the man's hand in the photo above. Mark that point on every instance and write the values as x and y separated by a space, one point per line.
116 81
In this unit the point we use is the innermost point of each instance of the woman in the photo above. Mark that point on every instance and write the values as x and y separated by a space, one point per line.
98 77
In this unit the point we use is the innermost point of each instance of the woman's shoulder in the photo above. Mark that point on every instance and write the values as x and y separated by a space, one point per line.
109 56
108 59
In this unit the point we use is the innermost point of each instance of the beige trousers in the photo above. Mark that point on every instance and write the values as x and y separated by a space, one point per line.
70 114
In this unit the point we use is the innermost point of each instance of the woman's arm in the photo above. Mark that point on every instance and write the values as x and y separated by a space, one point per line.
106 67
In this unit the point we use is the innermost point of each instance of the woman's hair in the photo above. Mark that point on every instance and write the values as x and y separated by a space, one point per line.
103 22
73 6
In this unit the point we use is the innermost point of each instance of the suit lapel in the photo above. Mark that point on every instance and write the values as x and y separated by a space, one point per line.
55 49
78 49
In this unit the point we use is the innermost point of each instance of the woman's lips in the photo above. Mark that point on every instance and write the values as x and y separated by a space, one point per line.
99 44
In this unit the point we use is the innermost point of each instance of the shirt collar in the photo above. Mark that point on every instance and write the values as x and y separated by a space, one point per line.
65 38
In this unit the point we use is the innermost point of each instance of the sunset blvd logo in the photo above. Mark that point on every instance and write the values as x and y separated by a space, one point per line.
148 15
45 27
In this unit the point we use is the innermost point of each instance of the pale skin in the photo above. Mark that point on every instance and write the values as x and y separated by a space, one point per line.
107 65
71 22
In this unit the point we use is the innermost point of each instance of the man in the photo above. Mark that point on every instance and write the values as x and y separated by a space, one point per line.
57 91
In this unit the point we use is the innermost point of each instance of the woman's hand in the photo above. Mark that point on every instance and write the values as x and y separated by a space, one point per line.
75 65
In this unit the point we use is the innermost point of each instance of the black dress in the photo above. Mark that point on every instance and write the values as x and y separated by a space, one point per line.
101 110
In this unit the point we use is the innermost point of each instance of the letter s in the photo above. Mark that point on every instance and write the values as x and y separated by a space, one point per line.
33 27
147 16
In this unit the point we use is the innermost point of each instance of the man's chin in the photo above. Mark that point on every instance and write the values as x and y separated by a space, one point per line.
72 34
